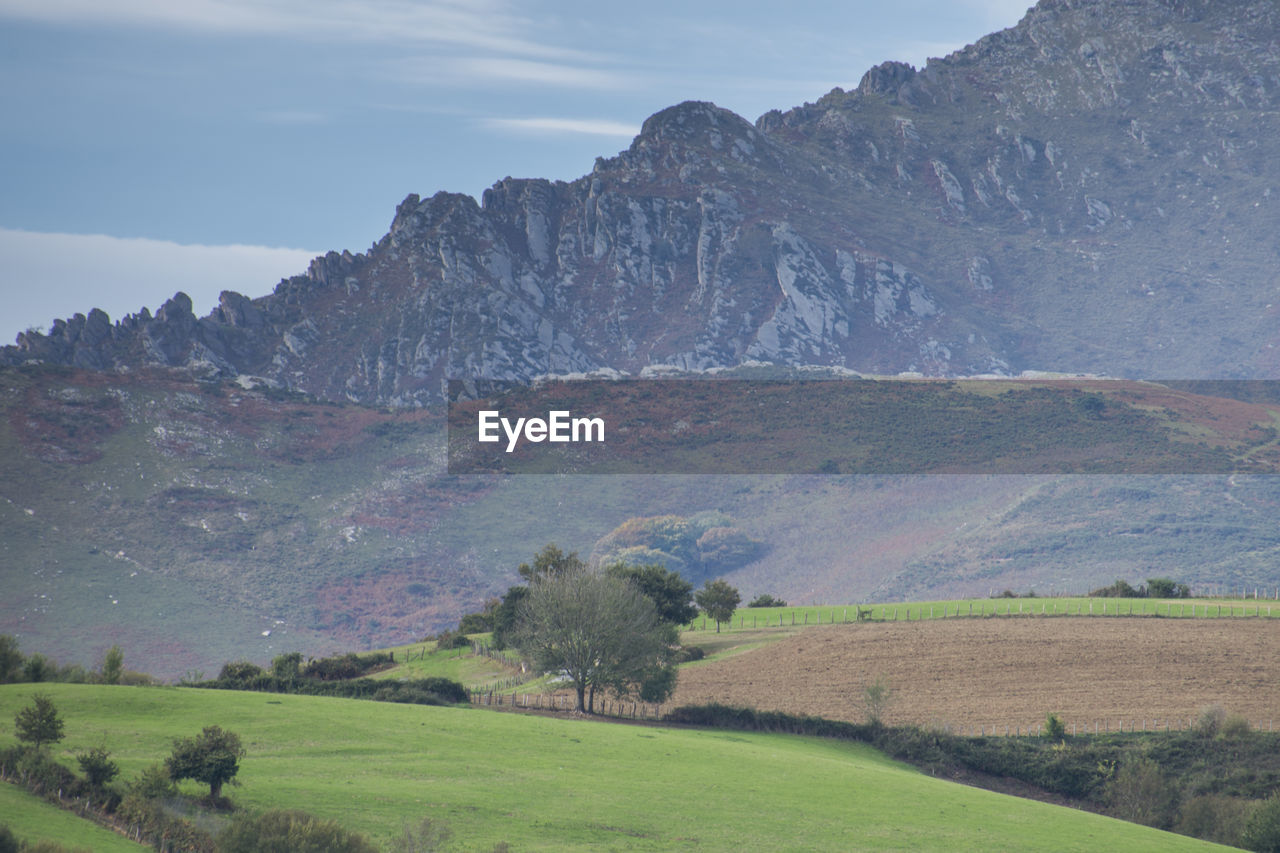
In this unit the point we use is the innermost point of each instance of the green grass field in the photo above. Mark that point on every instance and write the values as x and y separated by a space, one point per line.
32 819
752 618
544 783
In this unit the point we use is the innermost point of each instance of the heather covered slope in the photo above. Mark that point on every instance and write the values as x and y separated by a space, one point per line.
1088 191
195 523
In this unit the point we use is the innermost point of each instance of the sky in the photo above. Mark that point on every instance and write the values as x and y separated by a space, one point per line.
152 146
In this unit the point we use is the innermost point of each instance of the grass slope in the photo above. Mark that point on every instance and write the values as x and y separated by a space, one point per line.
32 819
560 784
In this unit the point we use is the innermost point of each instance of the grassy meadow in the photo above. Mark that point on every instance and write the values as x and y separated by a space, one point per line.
753 618
546 783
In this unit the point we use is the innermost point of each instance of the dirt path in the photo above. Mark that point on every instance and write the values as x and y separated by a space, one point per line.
998 672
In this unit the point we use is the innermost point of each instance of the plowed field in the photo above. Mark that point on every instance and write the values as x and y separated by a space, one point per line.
1009 672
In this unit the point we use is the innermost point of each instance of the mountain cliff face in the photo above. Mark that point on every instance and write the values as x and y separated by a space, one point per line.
1089 191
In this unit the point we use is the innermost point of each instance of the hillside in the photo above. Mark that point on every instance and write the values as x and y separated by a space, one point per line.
1087 192
561 784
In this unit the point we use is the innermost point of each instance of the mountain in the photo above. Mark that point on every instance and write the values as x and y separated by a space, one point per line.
1091 191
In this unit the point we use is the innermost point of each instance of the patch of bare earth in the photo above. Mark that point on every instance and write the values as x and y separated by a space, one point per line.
1009 671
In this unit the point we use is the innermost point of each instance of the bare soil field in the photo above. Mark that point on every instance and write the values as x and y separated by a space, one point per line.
1009 672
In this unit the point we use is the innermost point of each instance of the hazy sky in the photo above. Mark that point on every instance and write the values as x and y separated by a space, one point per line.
151 146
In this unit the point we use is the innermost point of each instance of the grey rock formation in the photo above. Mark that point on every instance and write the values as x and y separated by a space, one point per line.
1089 191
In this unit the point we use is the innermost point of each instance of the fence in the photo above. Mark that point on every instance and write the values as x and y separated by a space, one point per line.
1095 727
985 608
565 702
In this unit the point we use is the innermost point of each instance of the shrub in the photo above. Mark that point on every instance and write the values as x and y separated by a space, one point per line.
1140 793
1235 727
153 783
292 831
1119 589
240 670
876 698
1210 721
1262 830
1214 817
8 843
1054 728
766 600
97 766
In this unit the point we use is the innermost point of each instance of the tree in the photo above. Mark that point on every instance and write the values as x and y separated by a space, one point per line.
718 600
289 831
287 666
596 629
764 599
1262 831
38 723
671 594
11 659
551 561
112 665
212 758
877 697
97 766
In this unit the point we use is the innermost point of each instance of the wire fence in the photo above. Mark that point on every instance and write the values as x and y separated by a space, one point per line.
985 608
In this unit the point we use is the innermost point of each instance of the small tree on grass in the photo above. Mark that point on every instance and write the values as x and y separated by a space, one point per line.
97 767
597 630
1054 728
38 723
112 665
212 758
718 600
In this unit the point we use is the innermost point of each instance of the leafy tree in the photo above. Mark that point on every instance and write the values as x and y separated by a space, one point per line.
671 594
506 616
766 600
551 561
596 629
1054 728
11 659
97 766
876 698
239 670
725 548
1167 588
153 783
1262 831
287 666
38 723
718 600
212 758
112 665
37 668
1140 793
289 831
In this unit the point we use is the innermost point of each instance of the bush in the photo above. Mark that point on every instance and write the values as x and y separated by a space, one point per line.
1141 794
1054 728
97 766
1262 830
766 600
1235 727
240 670
1167 588
8 843
153 783
1210 720
289 831
1119 589
1214 817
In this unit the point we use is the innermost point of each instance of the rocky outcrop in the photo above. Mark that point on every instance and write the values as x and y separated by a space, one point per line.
1089 191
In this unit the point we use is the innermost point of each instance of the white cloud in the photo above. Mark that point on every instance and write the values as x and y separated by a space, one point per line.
582 126
53 276
483 71
486 24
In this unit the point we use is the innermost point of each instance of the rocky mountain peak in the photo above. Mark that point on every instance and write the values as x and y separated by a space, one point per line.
1088 191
